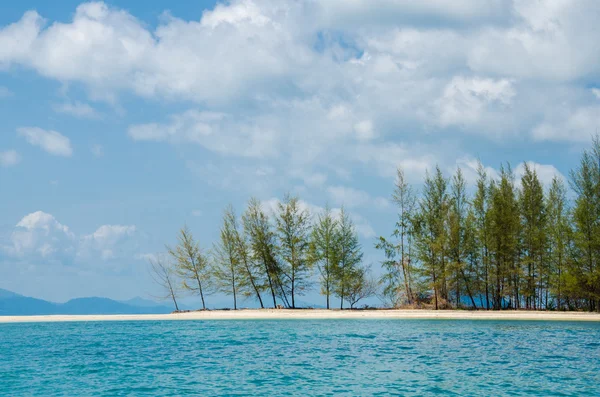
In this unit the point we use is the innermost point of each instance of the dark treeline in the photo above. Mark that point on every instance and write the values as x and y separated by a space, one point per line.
501 244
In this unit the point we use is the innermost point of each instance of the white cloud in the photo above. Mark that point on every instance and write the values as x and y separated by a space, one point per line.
77 109
348 196
105 241
9 158
542 36
467 100
196 213
40 234
386 158
218 132
469 166
343 13
314 90
364 130
577 124
109 234
545 172
429 65
51 141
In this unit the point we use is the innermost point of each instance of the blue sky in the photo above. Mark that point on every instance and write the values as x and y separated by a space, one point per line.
124 120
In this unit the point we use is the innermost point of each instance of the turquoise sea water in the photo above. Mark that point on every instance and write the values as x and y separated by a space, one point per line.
300 357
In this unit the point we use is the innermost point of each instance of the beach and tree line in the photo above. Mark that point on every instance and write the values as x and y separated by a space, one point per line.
504 243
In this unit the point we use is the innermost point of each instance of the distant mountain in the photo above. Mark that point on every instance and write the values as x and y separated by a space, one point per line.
7 294
12 304
140 302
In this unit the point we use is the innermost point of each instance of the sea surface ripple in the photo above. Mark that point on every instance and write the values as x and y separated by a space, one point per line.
300 357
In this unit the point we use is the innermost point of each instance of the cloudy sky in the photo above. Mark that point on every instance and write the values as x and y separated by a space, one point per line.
123 121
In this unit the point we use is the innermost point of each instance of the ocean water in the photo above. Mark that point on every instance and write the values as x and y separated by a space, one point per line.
300 357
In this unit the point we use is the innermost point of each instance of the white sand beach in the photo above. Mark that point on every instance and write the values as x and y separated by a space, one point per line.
309 314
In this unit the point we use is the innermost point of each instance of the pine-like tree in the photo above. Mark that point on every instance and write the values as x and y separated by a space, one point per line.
192 265
397 276
533 222
293 232
228 269
323 253
263 245
348 257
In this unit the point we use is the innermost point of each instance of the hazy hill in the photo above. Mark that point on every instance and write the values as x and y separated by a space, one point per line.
13 304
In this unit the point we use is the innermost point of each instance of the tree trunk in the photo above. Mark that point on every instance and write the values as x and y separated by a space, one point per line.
234 294
201 292
327 292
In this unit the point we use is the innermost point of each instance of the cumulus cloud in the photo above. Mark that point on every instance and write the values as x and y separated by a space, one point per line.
315 90
364 130
425 66
51 141
218 132
467 101
40 234
469 167
545 172
9 158
105 240
577 124
543 43
386 158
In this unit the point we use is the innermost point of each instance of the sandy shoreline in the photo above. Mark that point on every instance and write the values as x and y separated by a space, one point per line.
272 314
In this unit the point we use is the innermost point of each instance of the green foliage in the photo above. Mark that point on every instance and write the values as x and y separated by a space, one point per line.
323 250
228 270
192 265
263 247
293 230
397 276
348 257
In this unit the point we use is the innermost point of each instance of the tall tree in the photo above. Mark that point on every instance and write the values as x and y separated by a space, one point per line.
504 239
348 258
293 229
558 237
263 241
432 234
482 230
251 282
585 181
323 246
458 236
533 222
228 269
397 266
192 265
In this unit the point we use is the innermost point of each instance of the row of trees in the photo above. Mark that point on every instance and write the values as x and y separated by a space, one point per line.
510 244
271 258
502 244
